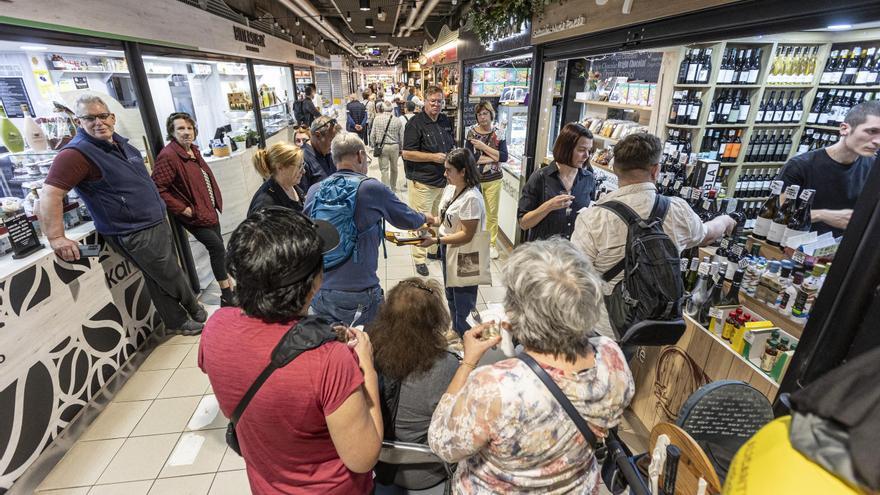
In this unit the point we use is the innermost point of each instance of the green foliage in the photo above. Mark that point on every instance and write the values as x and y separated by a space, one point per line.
494 19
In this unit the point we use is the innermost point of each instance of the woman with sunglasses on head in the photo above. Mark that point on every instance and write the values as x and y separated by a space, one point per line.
187 185
302 135
281 165
462 215
411 355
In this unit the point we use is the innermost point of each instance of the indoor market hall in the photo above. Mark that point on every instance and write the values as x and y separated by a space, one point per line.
390 247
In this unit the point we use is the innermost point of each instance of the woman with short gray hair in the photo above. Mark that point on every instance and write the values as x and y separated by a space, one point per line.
385 140
502 425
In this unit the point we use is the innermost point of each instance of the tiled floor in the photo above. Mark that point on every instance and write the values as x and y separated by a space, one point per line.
163 433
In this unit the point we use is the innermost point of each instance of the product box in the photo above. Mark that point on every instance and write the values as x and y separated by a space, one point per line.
753 349
738 341
644 92
652 94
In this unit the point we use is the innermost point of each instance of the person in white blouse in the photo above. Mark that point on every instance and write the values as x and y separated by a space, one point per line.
462 215
601 234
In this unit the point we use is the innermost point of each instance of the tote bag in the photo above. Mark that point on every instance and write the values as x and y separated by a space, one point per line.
468 264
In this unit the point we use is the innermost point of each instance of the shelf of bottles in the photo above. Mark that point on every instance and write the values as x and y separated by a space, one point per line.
755 105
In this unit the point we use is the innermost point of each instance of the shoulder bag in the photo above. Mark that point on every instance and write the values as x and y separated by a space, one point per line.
377 151
618 472
309 333
467 264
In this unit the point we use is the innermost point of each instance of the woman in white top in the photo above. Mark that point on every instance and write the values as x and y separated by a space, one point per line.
463 214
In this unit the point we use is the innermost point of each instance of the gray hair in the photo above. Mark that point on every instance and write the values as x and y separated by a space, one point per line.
320 126
87 99
553 297
387 106
345 144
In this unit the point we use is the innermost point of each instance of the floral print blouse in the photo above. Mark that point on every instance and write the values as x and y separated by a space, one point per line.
510 435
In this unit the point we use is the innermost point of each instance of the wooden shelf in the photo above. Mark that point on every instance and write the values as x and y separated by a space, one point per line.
602 167
682 126
726 126
738 86
829 86
80 71
692 85
795 124
825 127
605 138
761 164
789 86
609 104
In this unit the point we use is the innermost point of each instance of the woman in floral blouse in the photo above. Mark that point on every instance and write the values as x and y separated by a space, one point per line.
500 423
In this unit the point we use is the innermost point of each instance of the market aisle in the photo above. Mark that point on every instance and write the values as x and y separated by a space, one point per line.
164 434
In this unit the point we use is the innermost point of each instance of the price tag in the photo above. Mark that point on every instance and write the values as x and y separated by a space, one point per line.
716 313
725 243
684 265
677 185
696 193
716 277
799 257
806 194
743 263
738 250
704 269
792 191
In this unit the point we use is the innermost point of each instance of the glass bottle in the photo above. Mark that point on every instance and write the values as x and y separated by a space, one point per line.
771 351
768 283
807 291
783 216
731 298
700 294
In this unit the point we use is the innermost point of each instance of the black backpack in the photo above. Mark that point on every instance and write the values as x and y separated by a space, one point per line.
651 288
298 112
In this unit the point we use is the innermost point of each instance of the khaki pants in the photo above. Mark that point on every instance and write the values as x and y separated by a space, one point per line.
388 165
424 199
492 195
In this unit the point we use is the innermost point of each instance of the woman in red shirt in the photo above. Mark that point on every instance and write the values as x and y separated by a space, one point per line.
189 189
315 425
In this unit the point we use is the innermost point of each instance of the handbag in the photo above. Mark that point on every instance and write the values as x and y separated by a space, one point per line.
377 151
309 333
617 470
468 264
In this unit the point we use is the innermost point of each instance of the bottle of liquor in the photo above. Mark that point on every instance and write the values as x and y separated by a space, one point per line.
807 291
733 115
700 294
754 67
731 298
684 66
798 109
744 107
783 216
852 67
763 148
865 64
695 107
723 68
713 299
787 145
811 67
785 299
766 180
673 109
696 60
692 275
735 145
762 109
705 67
806 141
801 221
829 68
775 67
726 104
730 324
788 109
771 353
816 107
778 109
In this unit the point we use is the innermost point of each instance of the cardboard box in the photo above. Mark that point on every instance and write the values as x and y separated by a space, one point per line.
753 350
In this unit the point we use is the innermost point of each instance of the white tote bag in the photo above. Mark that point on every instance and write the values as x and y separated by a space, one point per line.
468 264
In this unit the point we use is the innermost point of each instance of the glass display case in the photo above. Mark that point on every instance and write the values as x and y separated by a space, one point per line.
514 120
275 86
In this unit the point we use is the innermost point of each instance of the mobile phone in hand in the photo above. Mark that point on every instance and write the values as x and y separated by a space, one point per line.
89 250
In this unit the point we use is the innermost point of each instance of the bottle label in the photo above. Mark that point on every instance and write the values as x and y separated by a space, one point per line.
725 243
743 263
791 193
716 312
762 226
684 265
799 257
788 116
759 117
753 76
806 194
812 117
704 269
798 114
737 250
775 232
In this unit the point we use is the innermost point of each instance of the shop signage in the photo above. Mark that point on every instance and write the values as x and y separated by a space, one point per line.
413 67
13 95
563 25
118 273
640 66
305 55
22 236
443 55
249 37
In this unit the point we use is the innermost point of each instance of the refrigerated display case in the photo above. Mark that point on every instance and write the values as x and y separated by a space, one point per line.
514 120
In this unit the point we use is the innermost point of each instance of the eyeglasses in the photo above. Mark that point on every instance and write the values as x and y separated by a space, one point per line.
331 122
435 102
103 117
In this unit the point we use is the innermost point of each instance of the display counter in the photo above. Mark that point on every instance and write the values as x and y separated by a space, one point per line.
511 186
65 331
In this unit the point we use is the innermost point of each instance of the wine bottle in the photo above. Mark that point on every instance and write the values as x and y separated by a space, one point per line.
788 109
768 211
829 66
715 295
683 67
733 116
778 109
695 108
693 66
783 216
700 293
705 67
744 108
865 64
692 274
798 109
754 67
852 67
801 220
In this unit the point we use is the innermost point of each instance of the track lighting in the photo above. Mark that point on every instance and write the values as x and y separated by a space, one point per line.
369 23
348 16
365 5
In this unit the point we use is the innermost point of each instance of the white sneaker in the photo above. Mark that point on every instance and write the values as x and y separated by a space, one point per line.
493 253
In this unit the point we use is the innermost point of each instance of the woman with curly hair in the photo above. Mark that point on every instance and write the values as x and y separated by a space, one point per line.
411 357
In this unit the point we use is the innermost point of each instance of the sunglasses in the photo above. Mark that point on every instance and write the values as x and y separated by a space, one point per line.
103 117
302 127
331 122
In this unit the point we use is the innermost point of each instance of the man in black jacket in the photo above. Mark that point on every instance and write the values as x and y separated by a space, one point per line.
357 116
309 110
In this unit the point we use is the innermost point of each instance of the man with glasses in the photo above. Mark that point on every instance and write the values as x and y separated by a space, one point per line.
319 162
427 139
110 176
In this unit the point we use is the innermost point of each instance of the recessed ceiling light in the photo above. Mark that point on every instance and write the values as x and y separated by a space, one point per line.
839 27
296 21
365 5
373 34
96 53
32 47
348 16
369 23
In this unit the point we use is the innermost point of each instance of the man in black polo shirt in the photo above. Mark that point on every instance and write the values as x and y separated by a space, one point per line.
838 172
426 140
553 195
316 153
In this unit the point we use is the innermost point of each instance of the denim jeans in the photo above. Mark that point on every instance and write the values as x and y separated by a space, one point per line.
341 306
461 300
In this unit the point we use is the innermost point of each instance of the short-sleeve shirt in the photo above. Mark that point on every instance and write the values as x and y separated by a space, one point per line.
531 445
468 206
75 169
544 184
601 234
283 433
837 185
428 136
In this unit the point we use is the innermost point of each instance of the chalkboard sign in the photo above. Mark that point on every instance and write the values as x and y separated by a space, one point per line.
468 114
637 66
13 95
22 236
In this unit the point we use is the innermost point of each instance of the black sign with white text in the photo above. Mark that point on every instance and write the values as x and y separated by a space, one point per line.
22 236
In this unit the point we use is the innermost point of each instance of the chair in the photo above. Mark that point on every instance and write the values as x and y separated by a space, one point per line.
721 416
407 453
693 464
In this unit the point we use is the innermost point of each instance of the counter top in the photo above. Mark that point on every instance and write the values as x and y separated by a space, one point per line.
9 266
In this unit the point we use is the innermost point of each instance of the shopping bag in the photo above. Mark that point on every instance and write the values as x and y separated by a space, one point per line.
468 264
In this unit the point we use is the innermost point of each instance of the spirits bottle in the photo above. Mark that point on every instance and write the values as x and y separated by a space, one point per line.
9 134
783 216
801 220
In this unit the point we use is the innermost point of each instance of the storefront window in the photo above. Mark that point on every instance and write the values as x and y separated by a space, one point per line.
276 93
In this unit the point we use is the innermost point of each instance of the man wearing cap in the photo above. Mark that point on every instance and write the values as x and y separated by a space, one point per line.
354 283
316 153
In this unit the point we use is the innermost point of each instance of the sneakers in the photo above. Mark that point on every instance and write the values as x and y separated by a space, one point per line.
201 315
493 253
422 269
189 327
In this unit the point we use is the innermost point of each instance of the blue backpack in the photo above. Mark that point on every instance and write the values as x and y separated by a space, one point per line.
336 202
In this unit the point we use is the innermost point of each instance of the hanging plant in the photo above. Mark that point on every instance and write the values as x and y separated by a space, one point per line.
494 19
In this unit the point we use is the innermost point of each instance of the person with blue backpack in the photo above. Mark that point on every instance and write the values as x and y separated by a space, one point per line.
357 206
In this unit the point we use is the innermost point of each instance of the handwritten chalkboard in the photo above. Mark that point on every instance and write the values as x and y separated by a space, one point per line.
13 95
637 66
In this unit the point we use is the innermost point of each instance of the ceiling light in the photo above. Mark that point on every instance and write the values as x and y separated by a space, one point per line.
454 2
380 14
32 47
296 21
365 5
321 18
373 34
369 23
96 53
839 27
275 23
348 16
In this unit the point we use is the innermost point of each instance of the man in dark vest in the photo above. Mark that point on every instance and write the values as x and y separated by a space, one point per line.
110 176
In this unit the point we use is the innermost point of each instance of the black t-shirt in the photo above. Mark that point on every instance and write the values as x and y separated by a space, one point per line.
428 136
544 184
837 185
